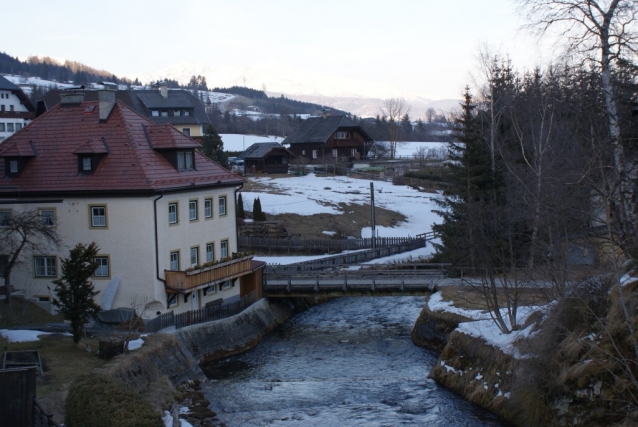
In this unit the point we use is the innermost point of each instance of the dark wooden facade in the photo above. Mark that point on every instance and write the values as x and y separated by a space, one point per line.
266 157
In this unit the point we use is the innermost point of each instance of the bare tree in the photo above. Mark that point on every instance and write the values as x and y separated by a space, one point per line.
601 32
394 109
24 231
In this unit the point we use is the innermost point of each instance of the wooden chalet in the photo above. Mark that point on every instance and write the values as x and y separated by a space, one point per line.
329 139
266 157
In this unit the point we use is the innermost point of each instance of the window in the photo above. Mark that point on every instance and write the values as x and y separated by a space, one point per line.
12 107
4 262
172 213
14 166
44 266
222 205
9 127
154 113
102 269
172 300
175 261
98 216
303 152
18 126
86 164
164 113
353 152
194 256
208 208
192 210
187 112
177 113
185 160
210 252
5 218
47 217
314 154
1 127
224 246
334 153
186 131
342 135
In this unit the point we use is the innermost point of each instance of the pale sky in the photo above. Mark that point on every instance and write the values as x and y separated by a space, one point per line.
420 48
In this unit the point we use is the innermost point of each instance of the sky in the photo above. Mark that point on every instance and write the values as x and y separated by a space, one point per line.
407 48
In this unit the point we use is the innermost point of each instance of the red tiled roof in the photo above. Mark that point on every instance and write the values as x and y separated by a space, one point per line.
129 143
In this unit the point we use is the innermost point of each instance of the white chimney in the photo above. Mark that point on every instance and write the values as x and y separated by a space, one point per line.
107 102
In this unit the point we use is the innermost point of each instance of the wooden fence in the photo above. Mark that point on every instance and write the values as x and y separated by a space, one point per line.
314 246
206 314
337 261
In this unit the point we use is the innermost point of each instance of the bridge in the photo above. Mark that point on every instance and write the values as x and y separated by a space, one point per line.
376 280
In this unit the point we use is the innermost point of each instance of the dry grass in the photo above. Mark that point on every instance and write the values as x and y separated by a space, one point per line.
353 218
471 297
62 361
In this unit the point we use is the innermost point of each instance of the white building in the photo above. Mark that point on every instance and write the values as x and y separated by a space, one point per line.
162 214
16 111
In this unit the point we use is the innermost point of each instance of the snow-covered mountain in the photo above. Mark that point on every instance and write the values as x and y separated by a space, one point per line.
360 97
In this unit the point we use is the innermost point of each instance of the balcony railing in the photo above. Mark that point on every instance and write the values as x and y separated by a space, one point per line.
188 281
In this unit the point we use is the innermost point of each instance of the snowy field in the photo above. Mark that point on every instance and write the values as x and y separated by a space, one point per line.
308 195
237 142
411 148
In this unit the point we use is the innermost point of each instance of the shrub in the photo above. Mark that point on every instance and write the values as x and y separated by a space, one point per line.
98 401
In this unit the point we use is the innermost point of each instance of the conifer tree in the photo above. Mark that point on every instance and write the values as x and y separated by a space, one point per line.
473 190
74 291
213 146
258 214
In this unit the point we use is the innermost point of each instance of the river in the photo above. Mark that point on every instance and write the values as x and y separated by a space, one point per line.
347 362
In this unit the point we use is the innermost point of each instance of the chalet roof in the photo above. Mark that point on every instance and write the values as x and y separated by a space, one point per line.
319 129
259 150
132 152
7 85
143 101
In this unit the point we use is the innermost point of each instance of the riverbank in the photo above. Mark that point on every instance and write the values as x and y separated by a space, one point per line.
565 366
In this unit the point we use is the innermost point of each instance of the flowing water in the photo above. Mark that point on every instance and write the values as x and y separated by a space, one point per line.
347 362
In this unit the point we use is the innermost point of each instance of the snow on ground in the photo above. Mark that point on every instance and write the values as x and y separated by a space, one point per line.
410 148
308 195
484 327
237 142
21 335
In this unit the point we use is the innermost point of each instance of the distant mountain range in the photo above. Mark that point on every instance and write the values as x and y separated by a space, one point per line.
363 98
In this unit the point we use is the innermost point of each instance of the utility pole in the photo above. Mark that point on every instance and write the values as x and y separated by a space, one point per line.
372 220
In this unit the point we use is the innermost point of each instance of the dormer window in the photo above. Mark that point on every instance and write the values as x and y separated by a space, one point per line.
342 135
185 161
14 166
86 164
155 113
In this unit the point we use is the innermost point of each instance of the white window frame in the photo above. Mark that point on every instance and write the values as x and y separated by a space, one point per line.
223 245
96 219
192 210
208 208
45 266
341 135
173 217
222 205
314 154
104 269
210 252
47 217
5 217
335 153
186 131
174 261
185 161
194 256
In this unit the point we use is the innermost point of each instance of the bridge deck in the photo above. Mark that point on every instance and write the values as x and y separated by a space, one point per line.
353 283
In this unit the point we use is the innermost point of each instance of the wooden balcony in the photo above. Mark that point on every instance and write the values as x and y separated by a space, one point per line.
182 282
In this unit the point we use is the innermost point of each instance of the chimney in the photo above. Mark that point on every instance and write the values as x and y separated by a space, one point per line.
163 88
107 102
71 97
326 113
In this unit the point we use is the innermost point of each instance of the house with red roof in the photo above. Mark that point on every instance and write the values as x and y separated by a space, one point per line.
162 213
16 111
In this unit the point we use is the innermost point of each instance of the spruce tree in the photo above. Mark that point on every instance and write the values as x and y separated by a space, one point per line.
213 146
473 190
74 291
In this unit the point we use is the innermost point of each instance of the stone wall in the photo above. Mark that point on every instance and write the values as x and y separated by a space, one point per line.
227 337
